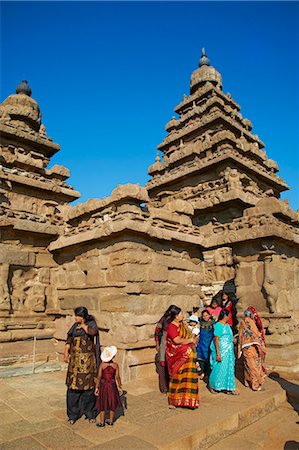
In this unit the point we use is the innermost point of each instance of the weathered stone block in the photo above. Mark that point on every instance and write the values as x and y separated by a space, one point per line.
115 303
244 275
45 260
132 256
158 273
13 255
141 356
96 278
75 279
62 326
177 277
127 272
71 301
44 275
105 320
61 279
142 371
145 332
133 288
126 335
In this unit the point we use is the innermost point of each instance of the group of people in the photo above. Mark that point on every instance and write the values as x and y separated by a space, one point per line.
187 350
204 348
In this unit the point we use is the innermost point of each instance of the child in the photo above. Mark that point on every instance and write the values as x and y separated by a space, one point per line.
205 339
215 307
193 324
107 385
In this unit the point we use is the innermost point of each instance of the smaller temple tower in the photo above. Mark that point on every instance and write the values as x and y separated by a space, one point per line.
32 199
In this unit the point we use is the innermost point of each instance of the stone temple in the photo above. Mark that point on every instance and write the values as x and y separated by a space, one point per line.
209 216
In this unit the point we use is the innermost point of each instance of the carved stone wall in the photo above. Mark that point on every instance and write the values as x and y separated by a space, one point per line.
127 285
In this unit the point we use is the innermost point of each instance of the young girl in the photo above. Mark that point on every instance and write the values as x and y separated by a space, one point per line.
107 385
215 307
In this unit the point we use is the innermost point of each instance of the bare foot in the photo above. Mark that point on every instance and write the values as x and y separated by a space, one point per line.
213 391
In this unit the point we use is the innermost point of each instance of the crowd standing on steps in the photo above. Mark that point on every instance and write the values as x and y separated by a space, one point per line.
210 341
188 350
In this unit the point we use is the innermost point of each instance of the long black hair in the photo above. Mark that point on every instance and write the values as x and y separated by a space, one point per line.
223 313
173 311
82 311
217 299
230 296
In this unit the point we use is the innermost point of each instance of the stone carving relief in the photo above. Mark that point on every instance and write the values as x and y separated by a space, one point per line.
269 285
28 289
4 290
278 286
218 265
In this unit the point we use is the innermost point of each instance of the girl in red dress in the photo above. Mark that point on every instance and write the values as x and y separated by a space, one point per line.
108 385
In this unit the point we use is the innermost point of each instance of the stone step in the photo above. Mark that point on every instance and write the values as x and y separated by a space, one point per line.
218 417
148 423
27 369
278 430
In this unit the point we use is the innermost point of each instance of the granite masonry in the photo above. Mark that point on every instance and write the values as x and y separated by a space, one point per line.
209 216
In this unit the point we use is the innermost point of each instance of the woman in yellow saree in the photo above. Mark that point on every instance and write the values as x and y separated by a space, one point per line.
181 362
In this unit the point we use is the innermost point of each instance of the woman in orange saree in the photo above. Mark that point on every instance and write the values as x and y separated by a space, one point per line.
252 345
181 363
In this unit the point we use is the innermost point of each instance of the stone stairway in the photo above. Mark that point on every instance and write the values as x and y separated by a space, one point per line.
278 430
35 417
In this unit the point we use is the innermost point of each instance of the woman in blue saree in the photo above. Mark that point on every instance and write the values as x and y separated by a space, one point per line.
205 338
222 359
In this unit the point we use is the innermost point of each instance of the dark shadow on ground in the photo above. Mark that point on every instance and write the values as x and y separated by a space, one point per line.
292 390
124 405
291 445
239 369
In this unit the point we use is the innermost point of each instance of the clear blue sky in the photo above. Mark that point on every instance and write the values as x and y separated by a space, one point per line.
107 76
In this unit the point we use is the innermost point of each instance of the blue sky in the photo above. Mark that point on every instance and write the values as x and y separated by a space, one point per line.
108 75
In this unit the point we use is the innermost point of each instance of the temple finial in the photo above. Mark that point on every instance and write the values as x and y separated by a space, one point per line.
24 88
204 60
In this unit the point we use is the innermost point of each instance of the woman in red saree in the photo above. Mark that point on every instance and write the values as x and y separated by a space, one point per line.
181 363
252 345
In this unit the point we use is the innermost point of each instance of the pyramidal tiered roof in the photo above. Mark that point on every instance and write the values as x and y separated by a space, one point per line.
210 154
29 192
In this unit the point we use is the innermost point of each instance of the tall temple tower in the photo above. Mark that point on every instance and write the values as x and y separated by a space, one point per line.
211 158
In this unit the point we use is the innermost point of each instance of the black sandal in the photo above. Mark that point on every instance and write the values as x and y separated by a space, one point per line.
109 423
100 424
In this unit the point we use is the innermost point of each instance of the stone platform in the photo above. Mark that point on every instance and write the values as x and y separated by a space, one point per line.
33 417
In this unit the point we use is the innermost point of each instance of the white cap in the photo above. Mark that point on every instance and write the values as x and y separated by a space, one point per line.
108 353
193 318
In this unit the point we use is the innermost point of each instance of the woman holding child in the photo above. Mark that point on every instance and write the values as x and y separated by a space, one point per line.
181 362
